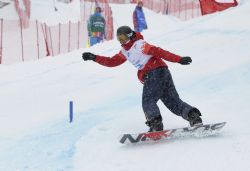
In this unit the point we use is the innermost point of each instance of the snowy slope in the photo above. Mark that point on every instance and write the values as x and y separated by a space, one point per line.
35 134
44 11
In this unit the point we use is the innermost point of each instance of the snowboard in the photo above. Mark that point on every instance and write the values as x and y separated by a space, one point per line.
195 131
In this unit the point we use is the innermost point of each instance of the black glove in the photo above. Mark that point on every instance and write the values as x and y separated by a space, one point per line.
88 56
186 60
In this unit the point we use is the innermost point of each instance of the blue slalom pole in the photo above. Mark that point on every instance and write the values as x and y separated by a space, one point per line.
71 111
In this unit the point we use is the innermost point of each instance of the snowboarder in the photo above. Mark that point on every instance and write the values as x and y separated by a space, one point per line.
139 19
153 72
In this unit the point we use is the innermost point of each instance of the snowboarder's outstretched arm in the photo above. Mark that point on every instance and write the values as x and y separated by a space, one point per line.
161 53
116 60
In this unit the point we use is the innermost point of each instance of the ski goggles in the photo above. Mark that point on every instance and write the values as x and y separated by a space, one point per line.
123 39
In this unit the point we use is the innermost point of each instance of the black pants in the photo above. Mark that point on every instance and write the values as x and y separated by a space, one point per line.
158 85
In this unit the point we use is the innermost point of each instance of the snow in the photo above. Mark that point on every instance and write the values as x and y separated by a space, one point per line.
35 133
8 12
44 11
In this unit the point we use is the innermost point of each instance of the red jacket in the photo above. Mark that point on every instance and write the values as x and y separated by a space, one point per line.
155 60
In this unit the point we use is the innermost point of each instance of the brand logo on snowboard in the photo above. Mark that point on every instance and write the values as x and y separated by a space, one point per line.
200 130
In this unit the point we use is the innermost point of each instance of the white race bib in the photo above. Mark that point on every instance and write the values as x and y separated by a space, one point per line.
136 56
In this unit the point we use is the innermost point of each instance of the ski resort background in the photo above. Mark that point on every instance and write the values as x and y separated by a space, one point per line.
38 40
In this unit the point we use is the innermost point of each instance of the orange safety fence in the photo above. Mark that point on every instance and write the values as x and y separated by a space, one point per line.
19 43
182 9
24 15
122 1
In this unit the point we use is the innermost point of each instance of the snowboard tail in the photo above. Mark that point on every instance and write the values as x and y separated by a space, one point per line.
196 131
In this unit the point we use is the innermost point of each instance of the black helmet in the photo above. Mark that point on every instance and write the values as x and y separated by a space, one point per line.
126 30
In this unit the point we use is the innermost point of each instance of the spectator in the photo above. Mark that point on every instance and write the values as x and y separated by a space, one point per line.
96 27
139 18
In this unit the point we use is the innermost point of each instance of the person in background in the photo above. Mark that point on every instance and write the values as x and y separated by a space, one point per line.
96 27
153 72
139 20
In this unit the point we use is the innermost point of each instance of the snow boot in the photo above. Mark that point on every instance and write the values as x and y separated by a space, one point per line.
194 117
155 124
